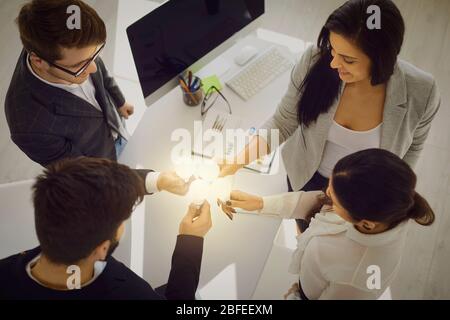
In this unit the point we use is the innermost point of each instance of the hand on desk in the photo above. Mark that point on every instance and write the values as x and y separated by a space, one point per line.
197 221
171 182
242 200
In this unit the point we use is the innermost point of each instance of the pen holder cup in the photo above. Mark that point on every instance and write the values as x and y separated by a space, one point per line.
192 96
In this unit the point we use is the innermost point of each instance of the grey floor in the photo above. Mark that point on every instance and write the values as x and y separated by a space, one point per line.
425 267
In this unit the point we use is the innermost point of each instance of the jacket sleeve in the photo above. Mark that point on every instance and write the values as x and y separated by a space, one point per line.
45 148
185 271
285 117
143 174
111 85
421 133
292 205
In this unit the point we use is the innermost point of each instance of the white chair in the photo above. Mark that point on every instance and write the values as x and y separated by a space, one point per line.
275 279
17 231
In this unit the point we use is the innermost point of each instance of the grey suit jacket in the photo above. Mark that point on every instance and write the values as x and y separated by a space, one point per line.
412 101
49 123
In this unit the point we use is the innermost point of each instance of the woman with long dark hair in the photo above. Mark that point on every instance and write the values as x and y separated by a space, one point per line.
350 93
353 246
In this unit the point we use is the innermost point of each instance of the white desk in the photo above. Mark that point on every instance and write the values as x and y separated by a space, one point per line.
235 251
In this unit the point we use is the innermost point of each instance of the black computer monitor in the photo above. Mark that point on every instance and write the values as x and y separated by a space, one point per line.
181 34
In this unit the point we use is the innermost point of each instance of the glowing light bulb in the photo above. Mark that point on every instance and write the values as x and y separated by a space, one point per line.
208 170
221 188
198 191
185 169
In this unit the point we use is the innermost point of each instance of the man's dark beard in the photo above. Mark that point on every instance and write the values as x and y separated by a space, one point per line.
112 248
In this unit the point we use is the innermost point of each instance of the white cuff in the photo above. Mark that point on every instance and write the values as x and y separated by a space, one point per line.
281 205
151 182
292 205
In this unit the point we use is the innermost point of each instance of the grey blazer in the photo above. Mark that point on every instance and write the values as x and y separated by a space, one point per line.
412 101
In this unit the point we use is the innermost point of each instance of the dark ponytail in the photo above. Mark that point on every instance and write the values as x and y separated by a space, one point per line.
321 86
377 185
421 211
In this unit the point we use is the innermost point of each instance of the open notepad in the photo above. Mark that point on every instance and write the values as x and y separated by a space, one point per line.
219 125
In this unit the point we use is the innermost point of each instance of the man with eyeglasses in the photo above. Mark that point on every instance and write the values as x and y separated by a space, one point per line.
61 101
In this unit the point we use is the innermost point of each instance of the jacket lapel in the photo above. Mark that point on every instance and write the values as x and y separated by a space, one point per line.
70 105
102 99
394 108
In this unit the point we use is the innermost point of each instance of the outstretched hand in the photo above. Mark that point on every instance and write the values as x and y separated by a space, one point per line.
197 221
171 182
242 200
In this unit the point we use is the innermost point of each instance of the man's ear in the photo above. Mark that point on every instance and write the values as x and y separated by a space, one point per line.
101 251
37 61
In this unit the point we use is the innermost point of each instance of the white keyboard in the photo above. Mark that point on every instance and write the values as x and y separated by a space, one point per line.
259 73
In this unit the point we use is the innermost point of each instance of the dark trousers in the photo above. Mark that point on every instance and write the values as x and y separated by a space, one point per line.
317 182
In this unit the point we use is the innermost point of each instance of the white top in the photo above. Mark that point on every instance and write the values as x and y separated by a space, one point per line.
85 91
342 141
333 259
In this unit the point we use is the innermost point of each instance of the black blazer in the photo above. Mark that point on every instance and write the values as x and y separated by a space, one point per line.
49 123
116 282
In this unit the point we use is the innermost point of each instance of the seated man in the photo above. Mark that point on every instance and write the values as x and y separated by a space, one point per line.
81 206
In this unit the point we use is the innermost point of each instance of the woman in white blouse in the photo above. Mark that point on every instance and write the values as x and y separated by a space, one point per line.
349 93
354 244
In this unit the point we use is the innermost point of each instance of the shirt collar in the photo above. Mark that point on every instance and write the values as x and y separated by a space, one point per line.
380 239
99 267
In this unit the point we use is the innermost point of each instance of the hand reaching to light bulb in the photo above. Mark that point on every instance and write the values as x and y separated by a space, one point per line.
169 181
228 168
204 181
242 200
200 176
197 221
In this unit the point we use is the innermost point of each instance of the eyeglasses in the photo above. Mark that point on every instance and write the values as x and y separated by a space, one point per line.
83 68
211 97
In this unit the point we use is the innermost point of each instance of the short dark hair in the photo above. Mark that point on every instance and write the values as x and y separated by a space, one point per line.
377 185
81 202
43 28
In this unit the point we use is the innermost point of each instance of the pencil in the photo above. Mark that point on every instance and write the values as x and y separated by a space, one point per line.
186 89
190 79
